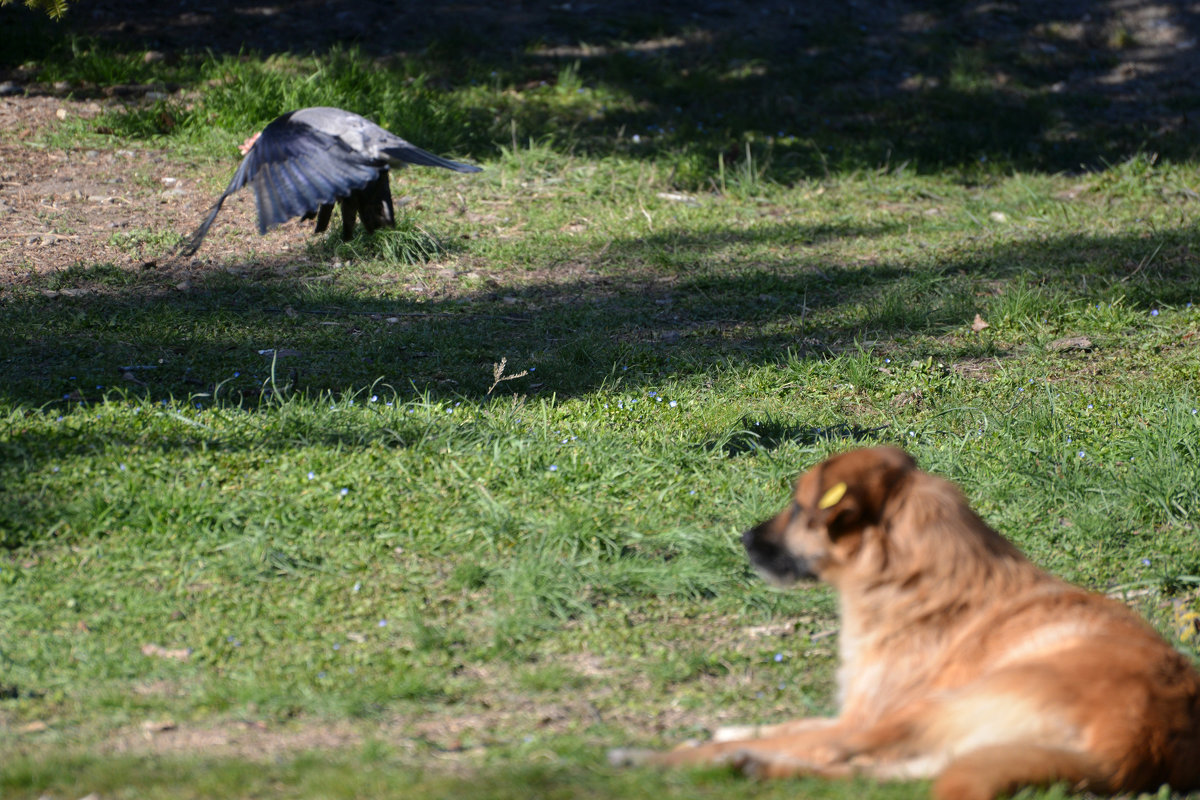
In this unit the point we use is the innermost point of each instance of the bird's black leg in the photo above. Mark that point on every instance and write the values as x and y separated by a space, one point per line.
323 215
350 207
376 203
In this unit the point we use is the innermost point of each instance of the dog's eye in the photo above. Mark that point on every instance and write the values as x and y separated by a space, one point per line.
797 508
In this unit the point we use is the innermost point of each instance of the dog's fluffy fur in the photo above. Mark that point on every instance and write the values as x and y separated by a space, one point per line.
961 660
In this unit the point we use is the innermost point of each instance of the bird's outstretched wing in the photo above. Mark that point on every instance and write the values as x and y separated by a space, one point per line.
294 170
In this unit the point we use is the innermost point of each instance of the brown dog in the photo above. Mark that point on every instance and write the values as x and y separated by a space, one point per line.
961 660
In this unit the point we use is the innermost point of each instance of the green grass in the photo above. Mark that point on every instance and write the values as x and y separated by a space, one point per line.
290 477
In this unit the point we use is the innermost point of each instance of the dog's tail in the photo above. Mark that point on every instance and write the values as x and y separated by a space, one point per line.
988 772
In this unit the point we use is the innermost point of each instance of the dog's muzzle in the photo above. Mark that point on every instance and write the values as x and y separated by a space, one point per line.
772 561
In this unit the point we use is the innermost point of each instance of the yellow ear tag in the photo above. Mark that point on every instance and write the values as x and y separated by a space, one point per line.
831 497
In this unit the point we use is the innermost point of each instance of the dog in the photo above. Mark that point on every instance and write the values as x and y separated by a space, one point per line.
961 661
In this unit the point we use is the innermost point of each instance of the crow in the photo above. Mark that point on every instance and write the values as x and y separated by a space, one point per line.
306 160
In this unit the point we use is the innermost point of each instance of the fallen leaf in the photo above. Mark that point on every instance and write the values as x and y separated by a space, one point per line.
159 725
979 324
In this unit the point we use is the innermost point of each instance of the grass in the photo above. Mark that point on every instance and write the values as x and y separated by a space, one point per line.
280 508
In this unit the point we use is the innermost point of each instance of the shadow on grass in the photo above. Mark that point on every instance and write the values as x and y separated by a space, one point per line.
802 90
638 313
768 434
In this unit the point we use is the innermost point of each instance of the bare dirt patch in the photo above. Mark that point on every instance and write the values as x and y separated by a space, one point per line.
65 206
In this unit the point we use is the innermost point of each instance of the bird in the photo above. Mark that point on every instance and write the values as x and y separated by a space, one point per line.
306 160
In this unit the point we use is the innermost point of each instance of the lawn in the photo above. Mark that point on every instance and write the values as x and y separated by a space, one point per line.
454 508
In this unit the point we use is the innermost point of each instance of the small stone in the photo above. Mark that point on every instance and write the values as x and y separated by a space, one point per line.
1070 343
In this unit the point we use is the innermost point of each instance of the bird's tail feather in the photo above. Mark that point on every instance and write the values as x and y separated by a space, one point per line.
415 155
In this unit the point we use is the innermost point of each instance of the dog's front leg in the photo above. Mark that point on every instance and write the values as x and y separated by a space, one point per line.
805 747
730 733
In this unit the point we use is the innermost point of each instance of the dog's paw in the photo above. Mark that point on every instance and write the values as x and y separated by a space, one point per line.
749 763
734 733
629 756
763 765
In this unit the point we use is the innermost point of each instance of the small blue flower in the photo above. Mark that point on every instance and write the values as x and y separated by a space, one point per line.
1154 312
778 657
383 623
374 398
54 469
672 404
1145 562
1082 454
344 492
321 674
122 467
312 475
337 646
554 467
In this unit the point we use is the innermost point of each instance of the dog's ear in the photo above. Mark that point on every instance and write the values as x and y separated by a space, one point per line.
856 486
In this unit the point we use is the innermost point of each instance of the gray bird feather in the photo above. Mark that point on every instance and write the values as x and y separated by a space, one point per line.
307 160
